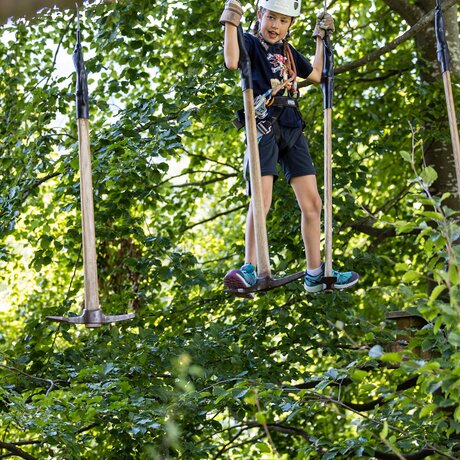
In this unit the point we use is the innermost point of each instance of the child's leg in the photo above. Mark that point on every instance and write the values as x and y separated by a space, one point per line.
246 276
267 189
306 192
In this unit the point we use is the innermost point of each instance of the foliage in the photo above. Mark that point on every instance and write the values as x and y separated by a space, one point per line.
198 373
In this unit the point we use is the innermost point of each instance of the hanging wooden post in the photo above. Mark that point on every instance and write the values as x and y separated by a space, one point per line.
444 60
327 86
92 315
265 281
263 262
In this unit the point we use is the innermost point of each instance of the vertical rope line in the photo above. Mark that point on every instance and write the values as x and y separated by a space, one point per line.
78 23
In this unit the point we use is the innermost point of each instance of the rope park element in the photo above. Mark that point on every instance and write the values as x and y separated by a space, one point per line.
327 85
92 315
265 282
444 59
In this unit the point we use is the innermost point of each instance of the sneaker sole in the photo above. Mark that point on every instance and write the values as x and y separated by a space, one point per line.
233 281
314 289
345 286
322 287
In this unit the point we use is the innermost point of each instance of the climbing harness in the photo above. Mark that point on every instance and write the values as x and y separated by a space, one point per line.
327 85
92 315
444 60
265 281
264 121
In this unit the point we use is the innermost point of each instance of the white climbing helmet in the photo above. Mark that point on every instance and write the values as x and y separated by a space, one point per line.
287 7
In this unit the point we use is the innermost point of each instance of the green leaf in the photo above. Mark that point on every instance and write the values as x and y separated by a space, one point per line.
401 267
438 217
359 375
428 176
453 274
405 227
263 447
428 409
260 417
406 156
437 292
457 413
384 432
391 357
410 277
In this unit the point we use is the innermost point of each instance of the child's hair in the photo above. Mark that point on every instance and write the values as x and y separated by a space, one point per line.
256 28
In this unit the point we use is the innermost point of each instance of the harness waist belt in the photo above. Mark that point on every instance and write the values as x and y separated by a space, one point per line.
285 101
279 103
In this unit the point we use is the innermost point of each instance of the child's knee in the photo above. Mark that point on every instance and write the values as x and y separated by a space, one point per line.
312 206
318 204
267 202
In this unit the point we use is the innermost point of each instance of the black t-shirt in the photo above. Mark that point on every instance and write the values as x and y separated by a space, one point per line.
267 66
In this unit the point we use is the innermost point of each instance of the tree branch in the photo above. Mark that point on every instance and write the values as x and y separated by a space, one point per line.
230 446
374 55
205 182
16 451
409 383
28 189
191 171
212 160
282 429
215 216
33 377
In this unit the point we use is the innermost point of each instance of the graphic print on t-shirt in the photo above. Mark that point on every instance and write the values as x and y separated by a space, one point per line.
277 64
278 67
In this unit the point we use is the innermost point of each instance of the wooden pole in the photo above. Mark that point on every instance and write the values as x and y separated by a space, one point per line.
92 315
87 218
263 260
257 199
328 192
442 51
328 89
452 124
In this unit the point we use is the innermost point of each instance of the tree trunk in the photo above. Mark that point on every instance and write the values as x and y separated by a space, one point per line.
437 153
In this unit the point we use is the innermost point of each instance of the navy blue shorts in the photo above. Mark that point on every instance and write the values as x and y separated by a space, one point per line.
291 152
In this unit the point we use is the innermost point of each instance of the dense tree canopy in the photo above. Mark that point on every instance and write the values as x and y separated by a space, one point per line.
15 9
200 374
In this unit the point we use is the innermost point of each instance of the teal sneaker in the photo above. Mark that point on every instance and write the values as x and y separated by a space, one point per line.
240 279
344 280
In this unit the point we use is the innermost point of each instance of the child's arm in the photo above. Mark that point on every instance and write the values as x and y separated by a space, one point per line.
231 48
316 73
231 17
324 23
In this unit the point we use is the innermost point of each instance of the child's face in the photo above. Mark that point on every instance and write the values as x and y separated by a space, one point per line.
273 26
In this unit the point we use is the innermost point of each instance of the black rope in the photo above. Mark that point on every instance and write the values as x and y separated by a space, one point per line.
82 82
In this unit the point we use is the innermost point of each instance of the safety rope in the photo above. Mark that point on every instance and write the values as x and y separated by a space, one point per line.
78 24
291 68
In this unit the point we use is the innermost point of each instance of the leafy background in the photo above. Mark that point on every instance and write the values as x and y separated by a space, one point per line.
198 373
